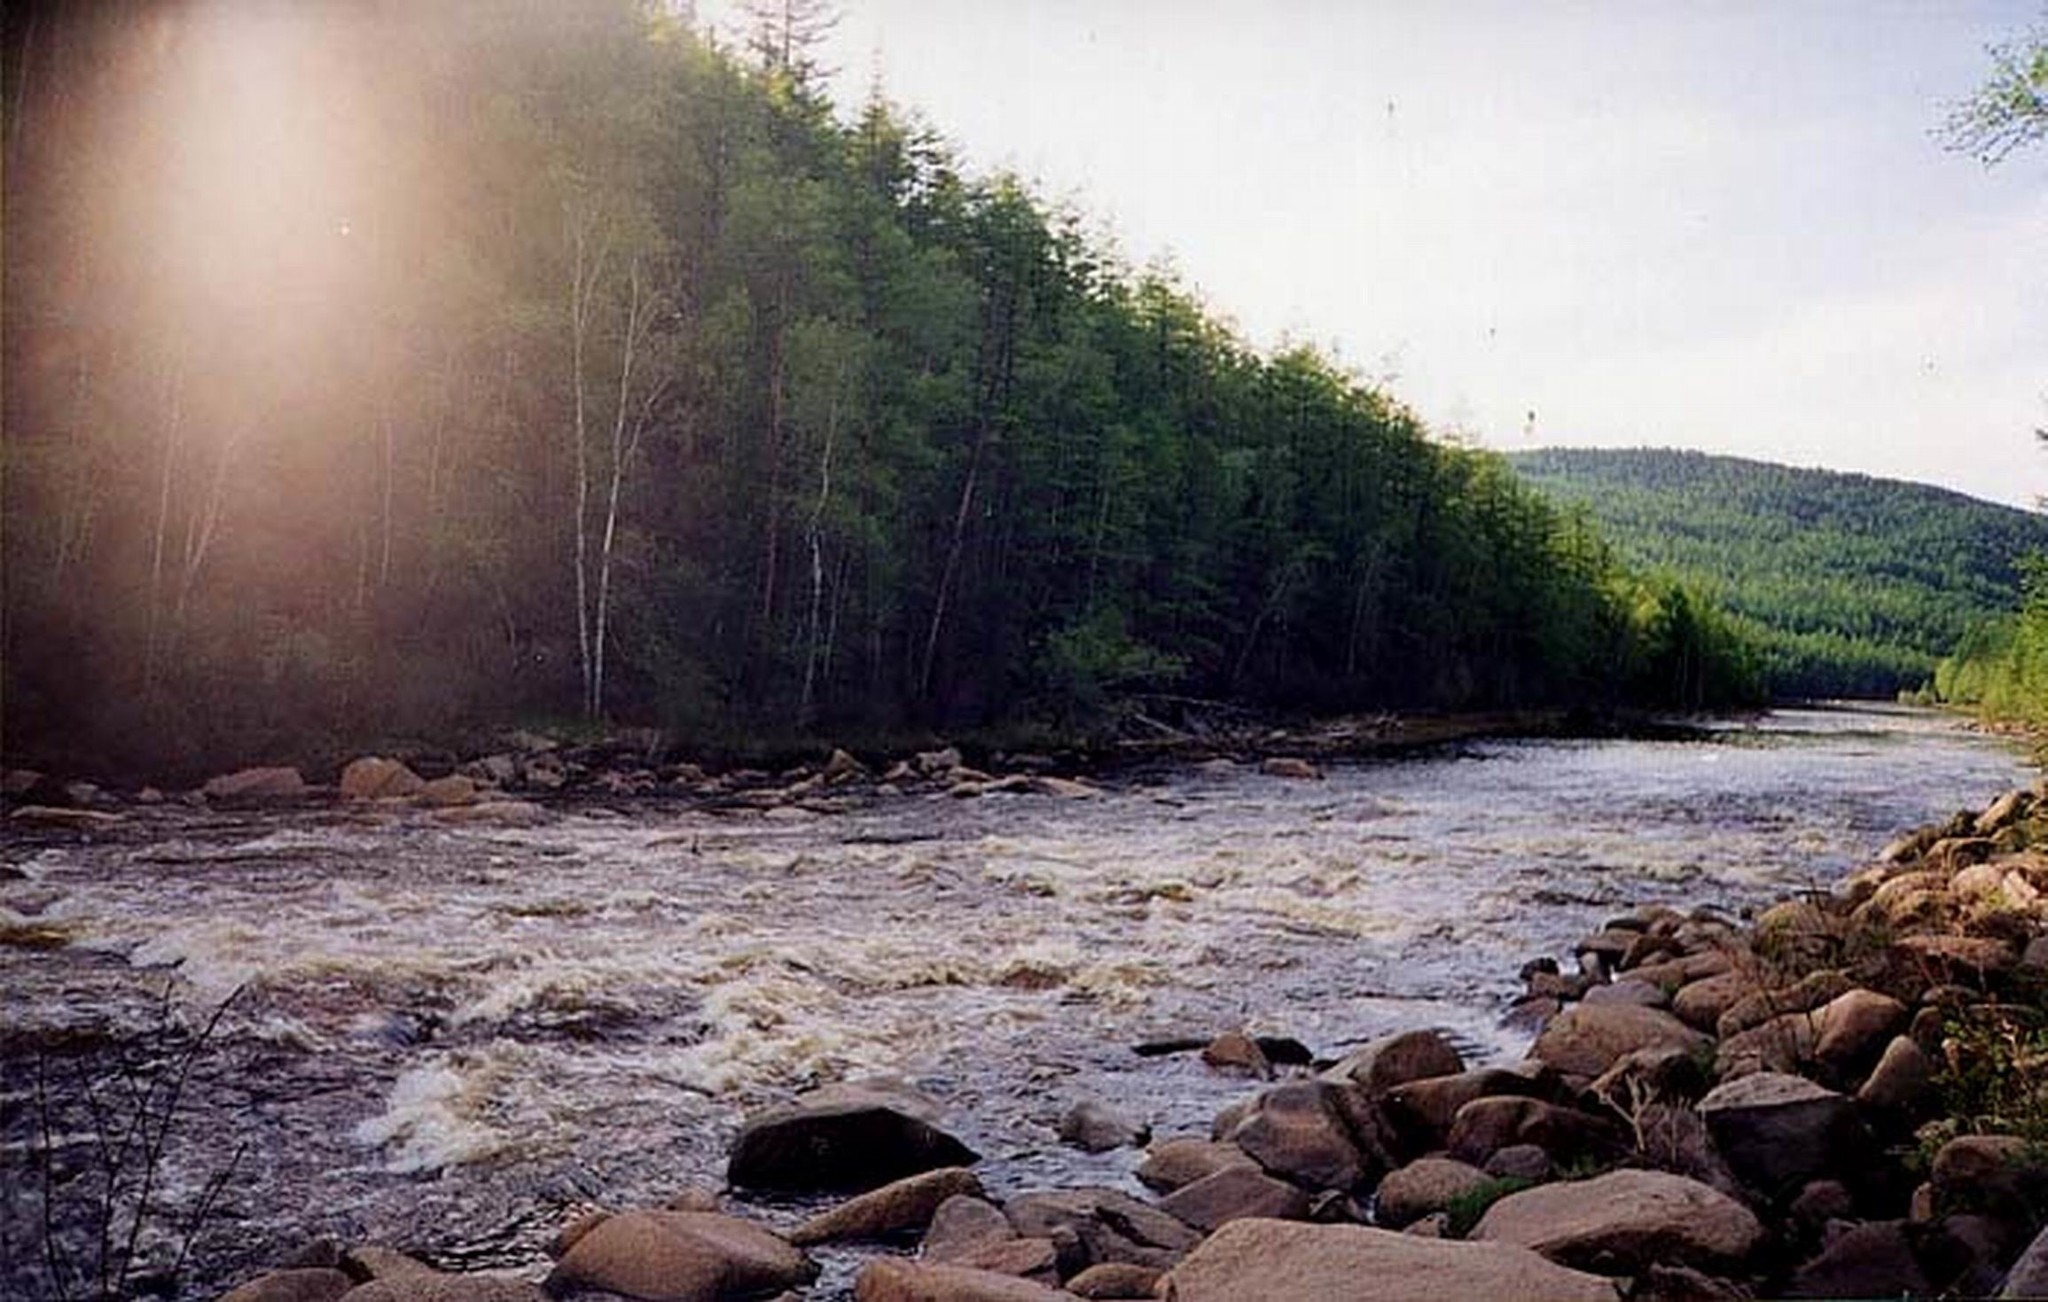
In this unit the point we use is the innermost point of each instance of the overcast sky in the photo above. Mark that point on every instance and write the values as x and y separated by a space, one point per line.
1712 225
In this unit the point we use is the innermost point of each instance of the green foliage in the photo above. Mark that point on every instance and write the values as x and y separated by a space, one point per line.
1846 585
1469 1207
2000 667
2010 110
804 427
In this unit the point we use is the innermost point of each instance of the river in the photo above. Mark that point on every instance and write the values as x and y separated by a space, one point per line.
443 1036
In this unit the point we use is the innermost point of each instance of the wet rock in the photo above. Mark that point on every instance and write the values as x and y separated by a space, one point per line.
1624 1221
846 1138
1397 1060
1114 1279
842 767
1108 1226
888 1279
1063 788
1902 1083
1869 1260
1854 1029
1233 1193
1290 766
454 789
1674 974
1287 1261
1422 1187
1238 1053
960 1225
1485 1126
1035 1259
370 1261
1173 1163
82 820
1317 1134
373 777
1096 1127
895 1208
255 785
665 1256
577 1225
1585 1041
1627 990
1422 1111
319 1284
493 813
932 763
1700 1004
1777 1132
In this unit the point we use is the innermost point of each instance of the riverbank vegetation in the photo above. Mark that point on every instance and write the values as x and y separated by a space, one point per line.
1850 586
387 371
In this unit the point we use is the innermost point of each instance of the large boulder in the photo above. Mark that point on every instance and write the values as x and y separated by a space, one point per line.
1318 1134
1287 1261
1700 1004
1622 1222
890 1279
2003 1175
1485 1126
1784 1044
1424 1186
1172 1163
1777 1131
1854 1029
847 1138
1396 1060
1901 1086
895 1208
664 1256
1232 1194
1095 1127
1421 1111
1585 1041
1874 1259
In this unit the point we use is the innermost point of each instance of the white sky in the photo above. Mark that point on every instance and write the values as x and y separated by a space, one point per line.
1705 224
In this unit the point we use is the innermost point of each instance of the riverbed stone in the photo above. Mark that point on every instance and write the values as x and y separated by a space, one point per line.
256 785
1700 1004
961 1224
1396 1060
1873 1259
1236 1052
1778 1131
1095 1127
1998 1174
1037 1259
1628 990
1485 1126
844 1138
435 1286
1315 1133
1622 1222
1968 959
1233 1193
1585 1041
318 1284
1854 1029
1426 1185
493 813
664 1256
895 1208
373 777
1287 1261
1113 1280
1421 1111
1784 1044
1169 1164
891 1279
1802 996
1108 1224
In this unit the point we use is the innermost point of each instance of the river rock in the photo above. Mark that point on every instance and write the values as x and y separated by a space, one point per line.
1422 1111
1289 766
1622 1222
1485 1126
435 1286
1875 1259
1095 1127
844 1138
1109 1225
319 1284
1424 1186
1173 1163
1628 990
1527 1162
1114 1279
493 813
1784 1044
82 820
1802 996
1585 1041
1777 1131
1966 959
256 785
664 1256
904 1205
448 790
1396 1060
961 1225
1233 1193
1035 1259
1700 1004
1650 1075
1999 1174
1234 1051
1854 1029
1315 1133
373 777
1287 1261
890 1279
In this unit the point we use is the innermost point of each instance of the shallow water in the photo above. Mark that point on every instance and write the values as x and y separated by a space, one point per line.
443 1036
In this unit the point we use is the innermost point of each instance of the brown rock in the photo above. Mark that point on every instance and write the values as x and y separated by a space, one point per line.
1309 1132
890 1279
843 1138
680 1257
1422 1111
1172 1163
1286 1261
1037 1259
1999 1174
904 1205
1424 1186
256 785
315 1285
1585 1041
1624 1221
1110 1226
1854 1028
960 1225
1485 1126
1097 1128
1802 996
1397 1060
443 792
1233 1193
1779 1131
1700 1004
375 778
1114 1279
1289 766
2003 812
1234 1051
1956 958
1870 1260
1628 990
1783 1044
433 1286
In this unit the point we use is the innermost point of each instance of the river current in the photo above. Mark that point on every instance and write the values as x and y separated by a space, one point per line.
440 1037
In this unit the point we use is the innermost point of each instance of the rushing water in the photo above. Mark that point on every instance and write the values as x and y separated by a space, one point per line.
445 1035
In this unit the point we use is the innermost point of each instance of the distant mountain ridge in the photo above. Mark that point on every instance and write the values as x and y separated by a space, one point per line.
1852 585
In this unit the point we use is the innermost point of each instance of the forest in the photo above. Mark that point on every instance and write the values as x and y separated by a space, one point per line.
381 370
1849 586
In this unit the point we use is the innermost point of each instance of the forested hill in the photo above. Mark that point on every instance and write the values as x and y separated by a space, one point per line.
475 362
1855 586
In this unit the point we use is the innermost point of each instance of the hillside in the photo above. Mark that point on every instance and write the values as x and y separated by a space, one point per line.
1857 585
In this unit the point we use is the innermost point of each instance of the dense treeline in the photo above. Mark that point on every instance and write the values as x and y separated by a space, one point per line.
2000 667
1849 585
382 368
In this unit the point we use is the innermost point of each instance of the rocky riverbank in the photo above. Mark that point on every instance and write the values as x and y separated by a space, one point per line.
1839 1098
